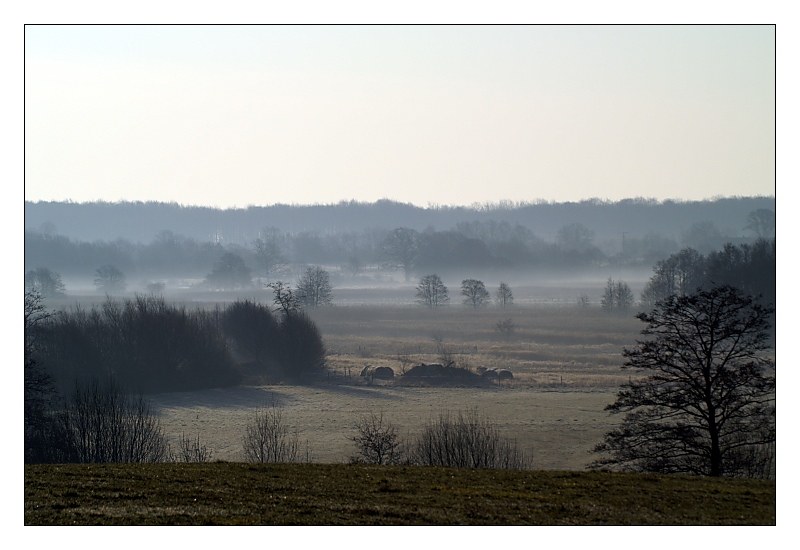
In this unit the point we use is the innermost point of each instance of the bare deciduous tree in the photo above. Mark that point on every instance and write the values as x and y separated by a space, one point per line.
377 442
762 223
504 296
285 301
269 253
109 279
267 438
475 292
444 354
432 292
400 250
708 401
314 288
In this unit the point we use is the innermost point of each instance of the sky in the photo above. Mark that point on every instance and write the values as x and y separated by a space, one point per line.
231 116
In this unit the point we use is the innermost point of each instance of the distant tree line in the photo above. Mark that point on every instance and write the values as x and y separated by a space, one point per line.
669 219
749 267
272 253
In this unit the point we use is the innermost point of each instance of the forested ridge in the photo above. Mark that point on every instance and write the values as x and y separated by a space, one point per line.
157 241
140 221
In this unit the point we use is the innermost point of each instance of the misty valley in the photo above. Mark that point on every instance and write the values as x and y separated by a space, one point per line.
305 335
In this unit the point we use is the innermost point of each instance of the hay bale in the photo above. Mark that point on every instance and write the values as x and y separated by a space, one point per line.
383 373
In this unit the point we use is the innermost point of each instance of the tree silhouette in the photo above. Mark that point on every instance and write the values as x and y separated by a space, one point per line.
706 406
475 292
432 292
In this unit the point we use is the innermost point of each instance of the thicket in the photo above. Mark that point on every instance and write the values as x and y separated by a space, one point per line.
150 345
147 344
102 423
144 345
462 440
284 346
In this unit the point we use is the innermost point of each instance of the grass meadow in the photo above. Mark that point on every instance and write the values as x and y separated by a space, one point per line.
338 494
565 360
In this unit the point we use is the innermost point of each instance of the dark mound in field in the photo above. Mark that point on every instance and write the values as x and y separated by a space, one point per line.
441 375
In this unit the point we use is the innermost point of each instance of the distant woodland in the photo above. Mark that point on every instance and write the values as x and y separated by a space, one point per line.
152 241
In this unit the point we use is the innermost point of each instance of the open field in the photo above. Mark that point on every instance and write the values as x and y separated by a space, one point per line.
558 428
324 494
550 345
566 363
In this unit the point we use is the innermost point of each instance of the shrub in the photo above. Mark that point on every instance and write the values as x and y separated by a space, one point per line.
192 451
302 349
254 330
376 442
267 438
466 441
104 424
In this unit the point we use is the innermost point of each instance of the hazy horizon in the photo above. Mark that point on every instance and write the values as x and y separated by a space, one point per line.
232 116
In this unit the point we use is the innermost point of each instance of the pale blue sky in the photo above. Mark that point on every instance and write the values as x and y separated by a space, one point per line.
240 115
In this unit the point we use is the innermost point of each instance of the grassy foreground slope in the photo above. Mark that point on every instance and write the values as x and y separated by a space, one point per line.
338 494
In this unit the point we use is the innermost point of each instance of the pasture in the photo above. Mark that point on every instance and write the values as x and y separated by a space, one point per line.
335 494
565 360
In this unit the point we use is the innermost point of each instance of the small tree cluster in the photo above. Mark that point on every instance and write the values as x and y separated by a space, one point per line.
748 267
617 296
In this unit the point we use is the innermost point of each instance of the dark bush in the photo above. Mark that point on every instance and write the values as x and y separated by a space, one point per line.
254 332
144 343
302 350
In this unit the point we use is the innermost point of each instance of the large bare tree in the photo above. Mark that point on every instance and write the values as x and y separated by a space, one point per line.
706 405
